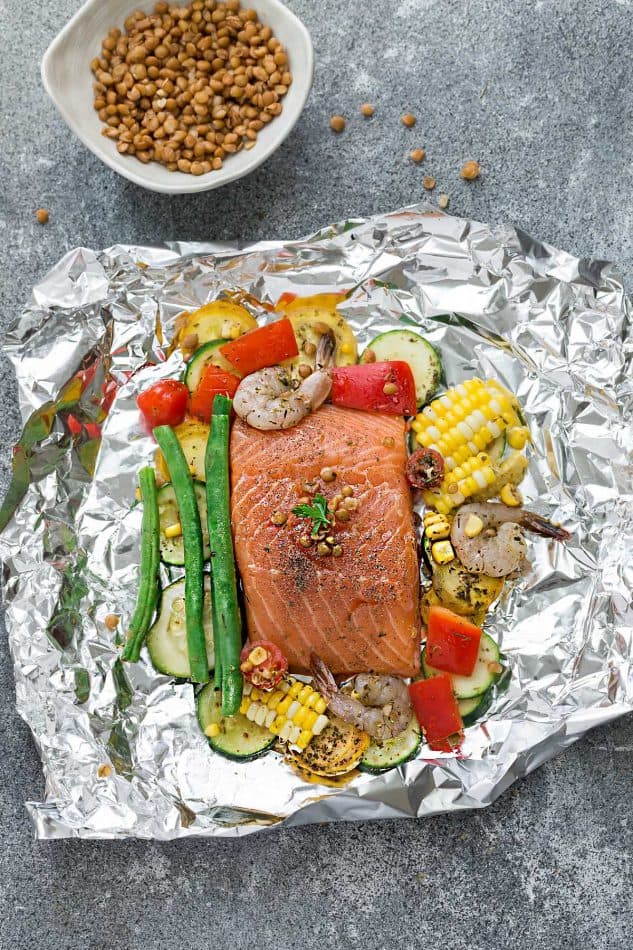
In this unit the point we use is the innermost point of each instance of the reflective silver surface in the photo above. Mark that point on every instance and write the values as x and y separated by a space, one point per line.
121 750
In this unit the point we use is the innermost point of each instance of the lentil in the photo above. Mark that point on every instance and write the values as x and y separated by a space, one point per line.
337 123
337 550
179 70
429 183
368 356
390 389
347 491
323 549
111 621
443 201
304 370
42 216
408 120
278 518
367 109
342 514
470 171
327 474
417 155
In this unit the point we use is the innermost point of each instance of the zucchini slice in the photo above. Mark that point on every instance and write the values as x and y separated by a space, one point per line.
473 709
193 437
172 550
167 639
421 356
207 353
220 319
462 591
487 671
305 322
393 752
239 738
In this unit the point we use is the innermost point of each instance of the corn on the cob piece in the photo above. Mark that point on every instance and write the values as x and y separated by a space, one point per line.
460 425
293 711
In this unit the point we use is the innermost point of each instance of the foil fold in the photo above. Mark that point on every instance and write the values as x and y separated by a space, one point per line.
120 747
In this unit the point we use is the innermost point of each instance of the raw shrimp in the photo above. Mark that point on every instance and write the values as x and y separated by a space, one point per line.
271 399
383 708
500 547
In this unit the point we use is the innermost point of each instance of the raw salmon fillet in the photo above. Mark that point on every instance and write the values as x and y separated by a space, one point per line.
358 612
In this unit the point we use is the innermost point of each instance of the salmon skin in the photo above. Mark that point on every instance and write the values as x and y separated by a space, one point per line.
359 612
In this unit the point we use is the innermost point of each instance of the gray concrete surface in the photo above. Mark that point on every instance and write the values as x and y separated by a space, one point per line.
541 93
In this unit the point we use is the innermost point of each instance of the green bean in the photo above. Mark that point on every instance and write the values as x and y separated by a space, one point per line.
227 630
147 598
182 484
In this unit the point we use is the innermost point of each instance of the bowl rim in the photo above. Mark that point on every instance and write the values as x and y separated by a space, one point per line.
197 184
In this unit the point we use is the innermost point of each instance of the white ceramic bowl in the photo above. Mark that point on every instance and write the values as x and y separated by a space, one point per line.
68 80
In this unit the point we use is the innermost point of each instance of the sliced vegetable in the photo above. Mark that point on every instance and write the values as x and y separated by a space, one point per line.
228 627
194 556
147 598
435 707
334 751
487 670
294 711
473 709
172 550
164 403
265 346
425 469
393 752
214 382
220 319
460 590
193 437
452 642
263 664
375 387
292 303
310 322
421 356
208 353
167 640
234 737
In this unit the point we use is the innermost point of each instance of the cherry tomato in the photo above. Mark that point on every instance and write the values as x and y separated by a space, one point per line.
164 403
263 664
425 468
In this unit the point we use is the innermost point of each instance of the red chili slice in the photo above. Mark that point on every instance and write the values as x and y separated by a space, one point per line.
263 664
425 468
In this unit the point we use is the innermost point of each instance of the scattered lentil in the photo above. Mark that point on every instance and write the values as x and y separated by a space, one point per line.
327 474
337 123
417 155
342 514
42 216
337 550
305 541
388 442
304 370
111 621
470 171
429 183
390 389
347 491
279 518
323 549
408 120
309 348
368 356
367 109
443 201
104 771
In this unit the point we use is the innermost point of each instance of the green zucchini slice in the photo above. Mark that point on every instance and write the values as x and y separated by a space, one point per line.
207 353
393 752
167 639
172 550
421 356
239 738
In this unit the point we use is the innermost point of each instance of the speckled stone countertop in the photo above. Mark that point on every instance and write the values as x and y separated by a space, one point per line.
542 94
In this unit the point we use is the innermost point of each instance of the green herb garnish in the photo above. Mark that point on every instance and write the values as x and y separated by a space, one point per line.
317 512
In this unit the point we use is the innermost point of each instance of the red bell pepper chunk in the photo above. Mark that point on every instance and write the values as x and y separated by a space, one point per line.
213 382
265 346
452 642
436 708
376 387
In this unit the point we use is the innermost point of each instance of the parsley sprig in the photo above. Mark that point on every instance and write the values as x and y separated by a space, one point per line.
317 512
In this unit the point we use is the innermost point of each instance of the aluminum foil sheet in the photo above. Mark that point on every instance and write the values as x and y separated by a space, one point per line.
120 747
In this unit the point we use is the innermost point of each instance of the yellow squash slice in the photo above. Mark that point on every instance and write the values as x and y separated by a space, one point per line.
335 751
193 437
218 320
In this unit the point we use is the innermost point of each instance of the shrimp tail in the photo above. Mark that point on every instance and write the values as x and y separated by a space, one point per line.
539 525
323 678
326 350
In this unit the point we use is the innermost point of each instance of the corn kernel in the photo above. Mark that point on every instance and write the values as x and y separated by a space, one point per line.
442 552
212 730
174 530
244 706
303 695
436 532
299 717
320 724
284 705
517 437
320 706
511 496
304 739
295 689
474 526
274 699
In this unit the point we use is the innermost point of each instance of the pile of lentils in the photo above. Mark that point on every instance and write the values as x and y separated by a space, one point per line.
187 86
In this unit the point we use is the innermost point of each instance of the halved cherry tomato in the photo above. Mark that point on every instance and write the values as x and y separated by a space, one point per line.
265 346
263 664
425 468
452 642
436 708
213 382
375 387
164 403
